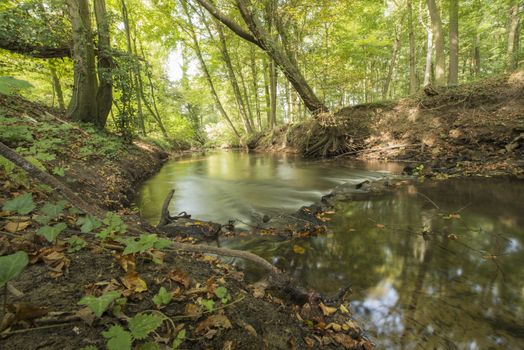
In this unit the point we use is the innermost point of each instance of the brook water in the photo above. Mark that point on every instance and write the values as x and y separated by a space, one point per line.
436 265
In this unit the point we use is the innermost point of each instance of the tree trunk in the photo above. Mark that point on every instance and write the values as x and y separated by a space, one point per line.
513 36
267 91
254 74
104 95
233 80
214 93
438 36
429 56
57 87
476 54
273 48
413 81
83 106
453 42
273 83
392 64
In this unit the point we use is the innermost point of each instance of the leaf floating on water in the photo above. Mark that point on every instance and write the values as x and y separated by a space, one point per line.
133 282
327 310
452 237
452 216
298 249
381 226
490 257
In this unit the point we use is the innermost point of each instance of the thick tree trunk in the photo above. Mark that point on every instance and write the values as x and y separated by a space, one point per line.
273 48
438 36
513 36
453 42
214 93
57 87
429 56
233 80
83 106
104 95
413 81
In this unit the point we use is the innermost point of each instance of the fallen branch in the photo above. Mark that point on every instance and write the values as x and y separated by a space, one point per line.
371 150
165 218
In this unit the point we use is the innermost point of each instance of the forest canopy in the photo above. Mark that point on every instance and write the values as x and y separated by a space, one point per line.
207 72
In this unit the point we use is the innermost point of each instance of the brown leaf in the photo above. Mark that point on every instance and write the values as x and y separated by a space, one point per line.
214 321
345 340
192 310
180 277
86 315
25 312
327 310
133 282
381 226
126 262
309 342
211 285
13 227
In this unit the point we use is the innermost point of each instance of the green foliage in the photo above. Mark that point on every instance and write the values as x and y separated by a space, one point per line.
22 204
144 243
223 294
99 305
75 244
114 224
88 223
143 324
11 266
149 346
53 211
58 171
90 347
13 132
118 338
163 297
51 232
11 85
180 337
209 304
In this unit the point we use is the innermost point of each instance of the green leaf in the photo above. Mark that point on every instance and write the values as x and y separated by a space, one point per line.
51 232
149 346
162 298
144 243
221 292
179 339
58 171
88 223
99 305
143 324
11 266
10 85
75 244
162 243
118 338
209 304
22 204
53 210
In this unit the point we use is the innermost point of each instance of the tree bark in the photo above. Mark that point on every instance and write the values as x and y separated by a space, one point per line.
429 56
83 106
438 36
513 36
104 95
453 42
57 87
413 81
273 83
36 51
254 76
214 93
392 64
273 48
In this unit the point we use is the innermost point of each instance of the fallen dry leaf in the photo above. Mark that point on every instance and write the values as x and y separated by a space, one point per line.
345 340
133 282
344 309
298 249
327 310
126 262
214 321
181 277
192 310
309 342
13 227
334 326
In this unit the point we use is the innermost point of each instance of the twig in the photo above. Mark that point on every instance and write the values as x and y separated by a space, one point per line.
183 317
429 199
18 331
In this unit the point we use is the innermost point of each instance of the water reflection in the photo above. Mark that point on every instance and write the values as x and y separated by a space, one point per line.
414 285
236 185
424 279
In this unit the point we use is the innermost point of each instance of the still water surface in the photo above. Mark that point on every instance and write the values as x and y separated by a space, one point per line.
421 278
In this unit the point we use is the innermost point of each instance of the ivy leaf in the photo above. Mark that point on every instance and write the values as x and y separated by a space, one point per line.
99 305
143 324
88 223
119 339
53 210
162 298
11 266
22 204
51 232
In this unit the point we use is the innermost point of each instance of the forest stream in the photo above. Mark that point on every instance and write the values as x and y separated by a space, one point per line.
435 264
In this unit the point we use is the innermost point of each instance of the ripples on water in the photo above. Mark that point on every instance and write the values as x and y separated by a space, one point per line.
410 290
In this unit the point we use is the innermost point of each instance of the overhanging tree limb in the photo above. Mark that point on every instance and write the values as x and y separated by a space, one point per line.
35 51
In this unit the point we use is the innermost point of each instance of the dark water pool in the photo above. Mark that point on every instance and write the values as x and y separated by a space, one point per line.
436 265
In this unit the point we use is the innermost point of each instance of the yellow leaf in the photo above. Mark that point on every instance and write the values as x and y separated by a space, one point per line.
13 227
344 309
298 249
133 282
334 326
327 310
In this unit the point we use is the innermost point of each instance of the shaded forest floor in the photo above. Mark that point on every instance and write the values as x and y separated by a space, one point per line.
210 306
473 129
